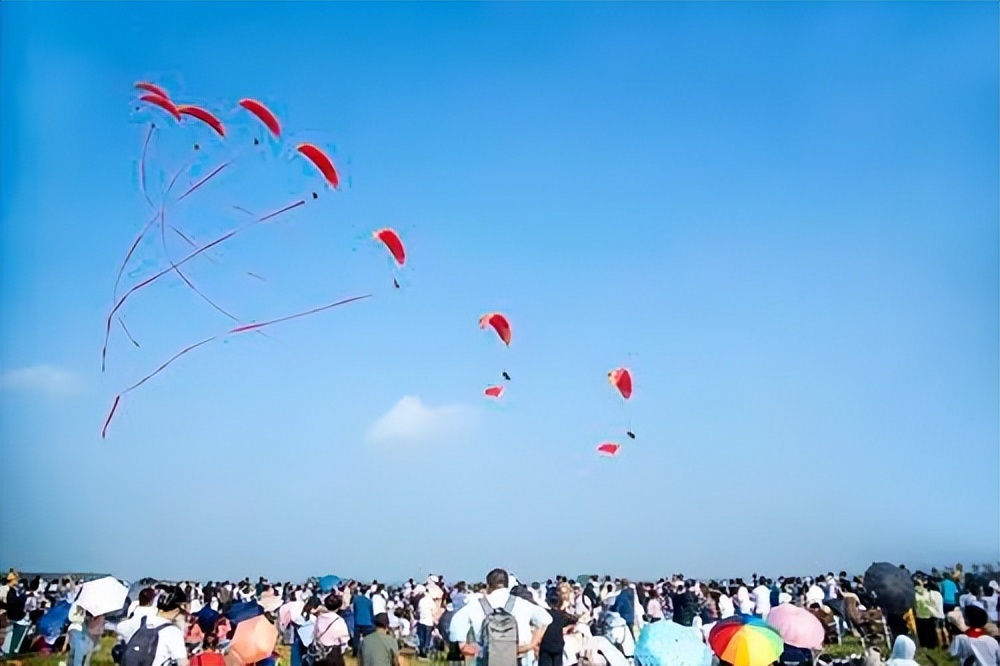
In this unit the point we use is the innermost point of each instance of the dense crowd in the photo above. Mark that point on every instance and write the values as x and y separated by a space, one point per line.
559 621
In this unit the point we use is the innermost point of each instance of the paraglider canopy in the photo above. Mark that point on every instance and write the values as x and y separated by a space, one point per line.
621 379
499 323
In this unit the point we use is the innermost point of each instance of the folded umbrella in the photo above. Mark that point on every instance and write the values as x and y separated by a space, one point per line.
102 596
666 643
797 626
743 640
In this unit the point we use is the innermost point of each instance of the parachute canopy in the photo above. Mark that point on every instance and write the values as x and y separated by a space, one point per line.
152 88
391 240
204 116
262 113
609 449
499 323
322 162
494 392
163 103
621 379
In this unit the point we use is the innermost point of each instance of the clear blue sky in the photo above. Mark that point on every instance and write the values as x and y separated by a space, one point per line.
783 216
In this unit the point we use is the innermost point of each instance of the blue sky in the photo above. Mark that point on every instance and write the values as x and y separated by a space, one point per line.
782 216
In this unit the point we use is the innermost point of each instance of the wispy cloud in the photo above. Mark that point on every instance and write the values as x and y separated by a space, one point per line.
410 420
41 379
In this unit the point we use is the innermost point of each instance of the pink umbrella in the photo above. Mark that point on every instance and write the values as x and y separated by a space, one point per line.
797 626
253 640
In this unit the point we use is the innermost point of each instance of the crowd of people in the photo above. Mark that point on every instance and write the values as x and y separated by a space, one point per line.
555 619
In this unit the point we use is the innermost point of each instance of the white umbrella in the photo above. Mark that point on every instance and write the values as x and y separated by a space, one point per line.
102 596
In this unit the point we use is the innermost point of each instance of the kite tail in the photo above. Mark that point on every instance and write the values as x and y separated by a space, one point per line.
252 327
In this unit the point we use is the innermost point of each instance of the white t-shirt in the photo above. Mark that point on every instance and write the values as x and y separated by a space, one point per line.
762 600
985 649
991 607
378 604
425 611
471 616
726 608
170 645
969 600
744 601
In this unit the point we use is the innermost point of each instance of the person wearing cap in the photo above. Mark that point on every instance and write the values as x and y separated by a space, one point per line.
170 648
379 648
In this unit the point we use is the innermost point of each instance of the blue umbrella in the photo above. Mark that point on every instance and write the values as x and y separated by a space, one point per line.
666 643
51 624
327 583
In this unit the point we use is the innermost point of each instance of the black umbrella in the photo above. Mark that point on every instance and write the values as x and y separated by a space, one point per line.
891 587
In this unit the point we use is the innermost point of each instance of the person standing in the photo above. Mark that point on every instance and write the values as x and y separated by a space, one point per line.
379 648
949 593
924 608
466 626
427 616
80 643
169 623
364 620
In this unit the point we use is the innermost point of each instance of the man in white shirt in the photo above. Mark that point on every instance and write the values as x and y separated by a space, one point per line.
762 598
143 606
170 648
427 617
379 599
531 619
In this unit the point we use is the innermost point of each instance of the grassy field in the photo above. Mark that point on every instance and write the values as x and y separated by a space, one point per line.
849 647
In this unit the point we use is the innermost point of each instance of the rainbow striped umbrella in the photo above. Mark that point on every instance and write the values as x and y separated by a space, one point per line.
744 640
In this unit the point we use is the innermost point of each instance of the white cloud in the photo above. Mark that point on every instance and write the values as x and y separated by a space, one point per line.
410 420
41 379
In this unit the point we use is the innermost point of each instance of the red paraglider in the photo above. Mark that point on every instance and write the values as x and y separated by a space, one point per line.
262 113
322 162
621 379
201 114
499 323
152 88
163 103
395 246
609 449
494 392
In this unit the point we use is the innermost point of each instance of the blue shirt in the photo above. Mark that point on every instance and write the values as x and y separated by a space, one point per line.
949 591
625 605
364 613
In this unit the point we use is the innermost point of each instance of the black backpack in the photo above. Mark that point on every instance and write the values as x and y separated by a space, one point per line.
141 648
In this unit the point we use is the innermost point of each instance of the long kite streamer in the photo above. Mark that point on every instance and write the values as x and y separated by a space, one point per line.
189 257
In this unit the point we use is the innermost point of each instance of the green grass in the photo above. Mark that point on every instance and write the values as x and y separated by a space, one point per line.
852 646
